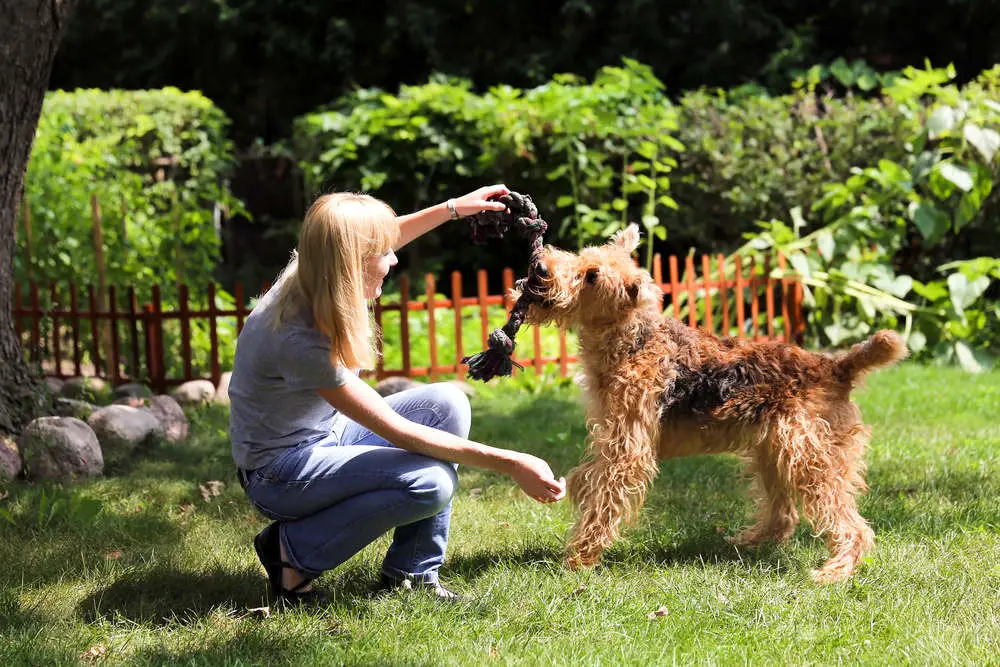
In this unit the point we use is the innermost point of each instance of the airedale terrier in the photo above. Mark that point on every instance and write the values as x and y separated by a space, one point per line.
658 389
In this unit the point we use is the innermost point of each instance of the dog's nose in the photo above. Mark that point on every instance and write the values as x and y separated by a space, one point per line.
541 270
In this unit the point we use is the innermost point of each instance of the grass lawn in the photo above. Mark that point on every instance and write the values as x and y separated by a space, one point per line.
161 575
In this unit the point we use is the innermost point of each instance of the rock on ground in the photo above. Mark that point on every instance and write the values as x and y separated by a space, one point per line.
60 448
121 429
194 392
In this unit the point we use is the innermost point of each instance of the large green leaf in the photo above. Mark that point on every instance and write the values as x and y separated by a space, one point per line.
942 120
965 292
931 221
986 141
956 174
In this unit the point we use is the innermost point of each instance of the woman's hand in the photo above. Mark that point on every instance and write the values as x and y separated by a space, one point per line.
535 478
476 201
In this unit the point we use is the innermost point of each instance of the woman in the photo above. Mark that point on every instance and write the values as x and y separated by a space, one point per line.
317 450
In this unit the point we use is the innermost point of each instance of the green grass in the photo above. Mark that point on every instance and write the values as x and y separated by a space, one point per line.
180 589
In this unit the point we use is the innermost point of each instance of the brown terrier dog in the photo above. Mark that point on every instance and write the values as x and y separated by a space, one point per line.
657 389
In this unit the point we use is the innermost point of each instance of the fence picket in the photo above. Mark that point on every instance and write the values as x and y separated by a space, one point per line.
431 291
675 287
740 312
113 326
481 297
692 303
456 304
769 298
133 325
213 335
94 333
723 293
74 317
56 347
706 277
182 293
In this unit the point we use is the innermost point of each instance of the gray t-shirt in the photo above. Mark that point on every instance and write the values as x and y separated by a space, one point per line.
276 373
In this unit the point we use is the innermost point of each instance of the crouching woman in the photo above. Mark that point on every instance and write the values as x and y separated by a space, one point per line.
317 450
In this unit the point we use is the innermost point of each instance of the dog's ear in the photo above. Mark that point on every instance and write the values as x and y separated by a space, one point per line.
627 238
633 288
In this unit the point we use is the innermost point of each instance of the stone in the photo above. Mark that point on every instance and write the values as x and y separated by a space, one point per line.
132 389
60 448
92 389
171 417
222 391
54 385
10 459
121 429
70 407
194 392
394 385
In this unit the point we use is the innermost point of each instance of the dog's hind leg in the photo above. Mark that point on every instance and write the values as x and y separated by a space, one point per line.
825 467
777 515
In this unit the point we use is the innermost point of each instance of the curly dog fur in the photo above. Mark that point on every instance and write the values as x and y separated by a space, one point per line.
657 389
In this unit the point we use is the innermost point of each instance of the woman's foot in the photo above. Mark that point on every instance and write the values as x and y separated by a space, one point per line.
435 588
286 584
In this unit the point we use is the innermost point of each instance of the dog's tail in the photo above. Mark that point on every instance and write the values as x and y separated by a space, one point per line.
883 349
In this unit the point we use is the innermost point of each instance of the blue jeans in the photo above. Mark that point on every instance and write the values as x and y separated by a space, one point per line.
335 496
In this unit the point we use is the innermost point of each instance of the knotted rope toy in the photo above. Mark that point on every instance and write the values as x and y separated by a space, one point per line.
521 214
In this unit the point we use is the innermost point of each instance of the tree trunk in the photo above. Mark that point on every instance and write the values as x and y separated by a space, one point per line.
30 31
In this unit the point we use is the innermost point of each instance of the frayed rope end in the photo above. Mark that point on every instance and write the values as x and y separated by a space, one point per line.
495 361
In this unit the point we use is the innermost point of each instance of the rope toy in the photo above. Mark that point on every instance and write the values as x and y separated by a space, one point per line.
521 214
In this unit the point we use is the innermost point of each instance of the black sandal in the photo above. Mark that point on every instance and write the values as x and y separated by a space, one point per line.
268 547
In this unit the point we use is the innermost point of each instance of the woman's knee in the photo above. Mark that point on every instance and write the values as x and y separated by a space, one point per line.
455 408
435 485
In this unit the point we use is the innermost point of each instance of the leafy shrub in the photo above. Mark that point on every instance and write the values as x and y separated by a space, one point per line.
157 163
897 242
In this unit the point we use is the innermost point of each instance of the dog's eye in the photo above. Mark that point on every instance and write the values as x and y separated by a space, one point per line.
591 276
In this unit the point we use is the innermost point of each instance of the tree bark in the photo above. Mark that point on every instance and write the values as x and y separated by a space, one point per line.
30 31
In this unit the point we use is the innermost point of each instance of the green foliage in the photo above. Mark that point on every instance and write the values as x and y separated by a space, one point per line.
601 151
876 258
157 163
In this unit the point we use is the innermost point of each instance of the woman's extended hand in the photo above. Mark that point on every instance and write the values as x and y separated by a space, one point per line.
535 478
476 201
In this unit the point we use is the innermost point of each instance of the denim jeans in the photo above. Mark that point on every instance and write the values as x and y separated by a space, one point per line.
335 496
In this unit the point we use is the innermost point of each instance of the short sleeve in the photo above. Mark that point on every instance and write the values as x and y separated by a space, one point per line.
306 364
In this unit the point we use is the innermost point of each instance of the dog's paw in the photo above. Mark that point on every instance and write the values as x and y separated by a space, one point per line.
830 575
746 538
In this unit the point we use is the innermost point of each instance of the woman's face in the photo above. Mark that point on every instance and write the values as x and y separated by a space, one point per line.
375 271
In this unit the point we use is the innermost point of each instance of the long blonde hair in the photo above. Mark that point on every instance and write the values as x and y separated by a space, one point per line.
326 274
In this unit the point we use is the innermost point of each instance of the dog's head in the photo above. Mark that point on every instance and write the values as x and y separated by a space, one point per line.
601 285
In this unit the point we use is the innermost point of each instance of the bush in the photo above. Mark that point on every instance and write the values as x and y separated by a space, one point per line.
898 243
157 163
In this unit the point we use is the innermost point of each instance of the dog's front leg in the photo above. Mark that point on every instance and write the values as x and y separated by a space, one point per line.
610 487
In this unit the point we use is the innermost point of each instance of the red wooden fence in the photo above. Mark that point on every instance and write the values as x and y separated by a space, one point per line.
67 340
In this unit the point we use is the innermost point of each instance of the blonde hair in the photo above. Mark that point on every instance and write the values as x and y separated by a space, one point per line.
326 274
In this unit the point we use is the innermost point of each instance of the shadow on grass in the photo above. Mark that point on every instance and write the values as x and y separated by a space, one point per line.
251 648
68 550
164 594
